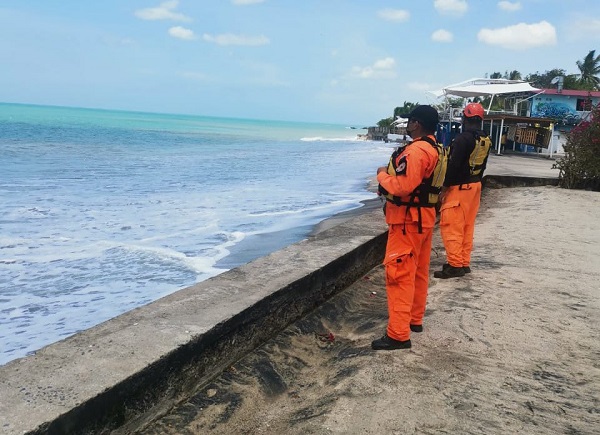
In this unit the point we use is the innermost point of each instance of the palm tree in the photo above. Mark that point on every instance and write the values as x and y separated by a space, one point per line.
589 69
514 75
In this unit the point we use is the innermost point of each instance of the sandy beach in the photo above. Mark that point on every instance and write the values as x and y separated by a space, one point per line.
513 347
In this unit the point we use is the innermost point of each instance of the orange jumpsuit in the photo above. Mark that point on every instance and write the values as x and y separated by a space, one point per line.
460 202
408 251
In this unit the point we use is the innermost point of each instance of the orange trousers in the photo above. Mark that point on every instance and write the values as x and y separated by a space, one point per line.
406 277
457 223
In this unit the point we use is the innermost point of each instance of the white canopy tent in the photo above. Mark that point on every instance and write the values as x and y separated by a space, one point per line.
400 122
486 87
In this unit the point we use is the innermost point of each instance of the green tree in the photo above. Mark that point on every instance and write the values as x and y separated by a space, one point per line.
589 69
544 80
572 82
497 103
456 102
385 122
406 108
512 75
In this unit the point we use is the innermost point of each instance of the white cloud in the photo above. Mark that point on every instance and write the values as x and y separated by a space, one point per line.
231 39
451 7
442 35
521 36
182 33
399 15
581 27
383 68
246 2
386 63
509 6
163 12
194 75
419 86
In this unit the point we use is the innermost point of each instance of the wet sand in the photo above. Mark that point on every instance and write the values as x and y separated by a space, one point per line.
367 207
513 347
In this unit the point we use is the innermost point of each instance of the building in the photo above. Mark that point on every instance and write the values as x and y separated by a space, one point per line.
568 107
532 120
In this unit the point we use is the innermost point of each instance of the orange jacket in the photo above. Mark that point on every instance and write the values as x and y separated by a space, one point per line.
420 159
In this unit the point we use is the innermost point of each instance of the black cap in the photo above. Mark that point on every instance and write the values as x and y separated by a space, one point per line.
426 115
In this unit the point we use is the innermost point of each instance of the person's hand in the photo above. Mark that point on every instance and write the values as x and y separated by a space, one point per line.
438 204
381 168
441 196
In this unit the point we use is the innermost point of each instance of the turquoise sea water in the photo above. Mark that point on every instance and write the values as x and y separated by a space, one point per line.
103 211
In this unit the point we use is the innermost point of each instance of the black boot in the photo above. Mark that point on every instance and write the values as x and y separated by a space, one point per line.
416 328
467 269
449 272
387 343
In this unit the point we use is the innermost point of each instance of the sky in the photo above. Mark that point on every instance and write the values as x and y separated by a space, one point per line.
332 61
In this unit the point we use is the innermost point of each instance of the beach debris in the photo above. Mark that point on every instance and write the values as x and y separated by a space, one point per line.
373 294
326 337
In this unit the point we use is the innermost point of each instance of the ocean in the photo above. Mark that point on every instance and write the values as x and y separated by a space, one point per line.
104 211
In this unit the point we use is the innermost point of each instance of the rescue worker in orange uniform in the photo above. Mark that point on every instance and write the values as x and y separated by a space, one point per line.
410 228
462 192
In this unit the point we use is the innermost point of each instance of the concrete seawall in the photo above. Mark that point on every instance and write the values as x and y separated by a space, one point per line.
117 374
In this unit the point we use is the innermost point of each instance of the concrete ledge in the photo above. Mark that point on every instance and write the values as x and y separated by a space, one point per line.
110 376
500 181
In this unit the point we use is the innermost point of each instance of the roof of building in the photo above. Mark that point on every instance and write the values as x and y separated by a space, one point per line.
572 93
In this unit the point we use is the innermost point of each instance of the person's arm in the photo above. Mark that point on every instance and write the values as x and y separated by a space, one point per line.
409 173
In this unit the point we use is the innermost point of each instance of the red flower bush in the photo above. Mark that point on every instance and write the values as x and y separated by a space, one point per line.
580 167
